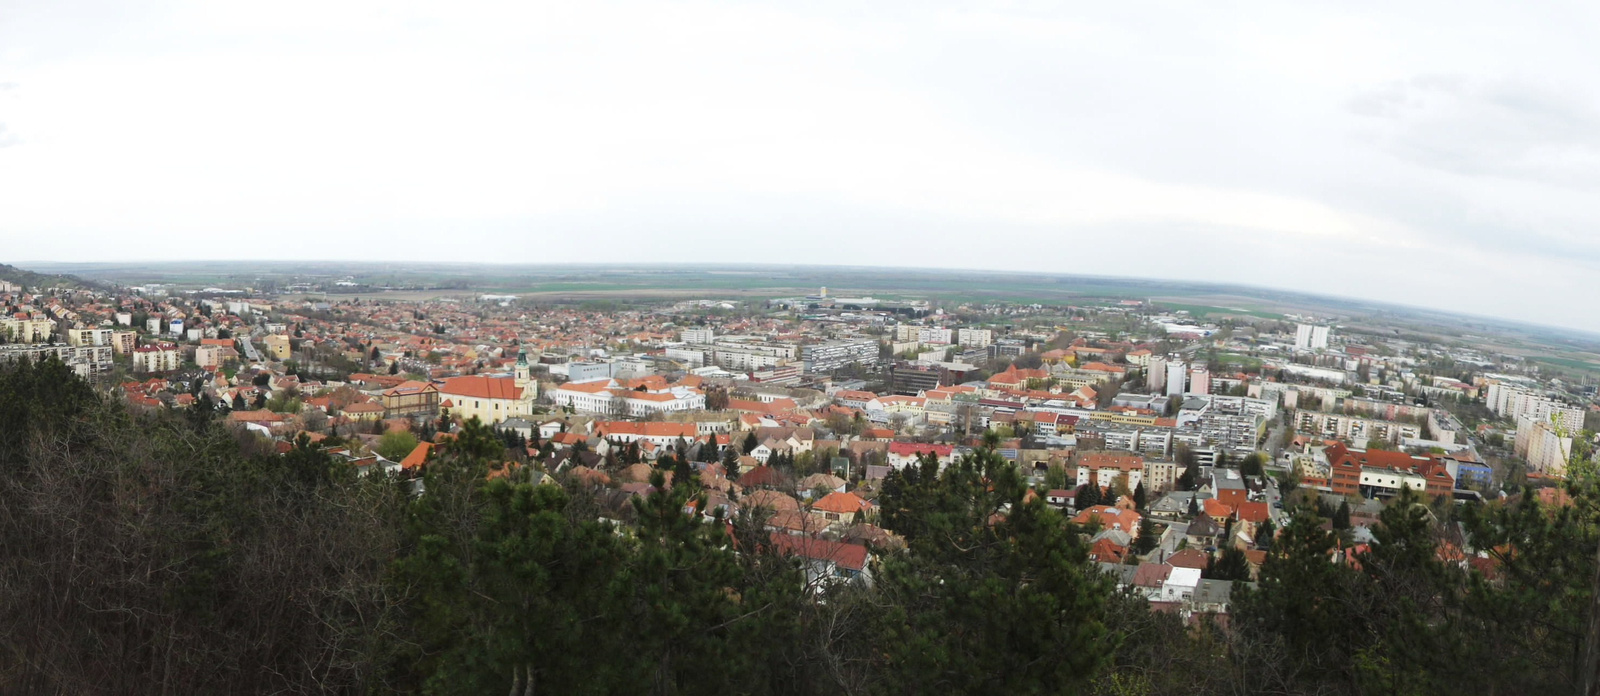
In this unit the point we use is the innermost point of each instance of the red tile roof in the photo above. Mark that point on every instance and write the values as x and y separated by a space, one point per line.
482 387
851 556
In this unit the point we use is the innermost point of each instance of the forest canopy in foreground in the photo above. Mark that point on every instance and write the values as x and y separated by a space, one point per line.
163 552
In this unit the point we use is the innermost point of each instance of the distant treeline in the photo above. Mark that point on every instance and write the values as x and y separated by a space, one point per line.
162 552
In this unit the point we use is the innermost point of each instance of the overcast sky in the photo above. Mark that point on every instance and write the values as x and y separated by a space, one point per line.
1442 154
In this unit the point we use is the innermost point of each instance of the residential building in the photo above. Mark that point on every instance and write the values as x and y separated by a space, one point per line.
278 346
975 338
123 342
89 337
208 356
1310 337
1102 469
159 357
1541 443
86 361
26 330
1354 429
705 335
1177 377
830 356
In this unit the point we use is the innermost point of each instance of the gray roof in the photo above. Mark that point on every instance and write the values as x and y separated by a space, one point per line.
1213 592
1122 572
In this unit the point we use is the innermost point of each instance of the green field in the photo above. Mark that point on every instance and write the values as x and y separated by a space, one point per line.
1204 311
1569 363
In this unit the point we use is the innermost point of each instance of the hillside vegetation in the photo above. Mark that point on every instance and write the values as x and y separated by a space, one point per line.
161 552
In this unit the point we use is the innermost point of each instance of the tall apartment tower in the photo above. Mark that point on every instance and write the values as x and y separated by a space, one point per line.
1310 337
1177 376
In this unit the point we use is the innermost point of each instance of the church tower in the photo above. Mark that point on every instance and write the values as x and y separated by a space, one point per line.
524 378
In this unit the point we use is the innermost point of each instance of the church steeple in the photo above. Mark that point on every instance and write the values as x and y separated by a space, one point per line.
523 372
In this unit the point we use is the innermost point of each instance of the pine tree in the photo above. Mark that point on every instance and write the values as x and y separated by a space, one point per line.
1341 518
1088 496
1139 496
1147 539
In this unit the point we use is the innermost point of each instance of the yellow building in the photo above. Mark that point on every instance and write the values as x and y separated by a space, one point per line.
278 346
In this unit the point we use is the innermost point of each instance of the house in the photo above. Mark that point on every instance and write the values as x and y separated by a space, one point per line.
363 412
904 454
1188 558
1110 517
1150 578
1180 585
840 507
774 501
1203 532
810 484
1060 498
1107 551
825 561
1172 505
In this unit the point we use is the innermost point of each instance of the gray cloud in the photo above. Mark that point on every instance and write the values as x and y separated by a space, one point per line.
1500 128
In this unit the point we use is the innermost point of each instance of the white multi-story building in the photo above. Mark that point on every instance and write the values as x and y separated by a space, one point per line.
609 398
697 335
26 330
160 357
123 342
822 358
87 361
934 335
693 357
1545 450
1177 376
1515 402
1354 429
588 371
975 338
89 337
1310 337
1155 375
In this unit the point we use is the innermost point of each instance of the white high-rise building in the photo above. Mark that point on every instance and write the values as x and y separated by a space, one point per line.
1310 337
1545 450
1155 375
1177 376
975 338
697 335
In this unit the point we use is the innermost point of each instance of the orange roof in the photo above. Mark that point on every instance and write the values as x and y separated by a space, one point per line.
841 503
1217 509
418 456
614 428
587 387
1110 518
1104 460
482 387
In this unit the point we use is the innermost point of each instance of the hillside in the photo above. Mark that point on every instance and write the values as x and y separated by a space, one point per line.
30 279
